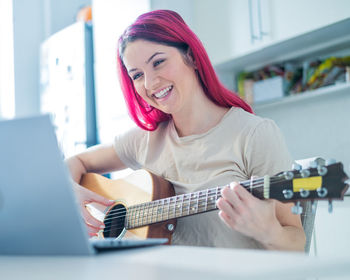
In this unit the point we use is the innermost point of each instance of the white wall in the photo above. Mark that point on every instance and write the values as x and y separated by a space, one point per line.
318 126
110 18
212 25
184 7
7 91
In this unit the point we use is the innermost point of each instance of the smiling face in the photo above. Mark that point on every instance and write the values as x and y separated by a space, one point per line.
161 76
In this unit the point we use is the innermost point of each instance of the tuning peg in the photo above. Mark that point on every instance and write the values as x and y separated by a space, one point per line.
330 161
288 194
297 209
304 193
330 206
322 192
313 207
288 175
305 173
322 170
296 166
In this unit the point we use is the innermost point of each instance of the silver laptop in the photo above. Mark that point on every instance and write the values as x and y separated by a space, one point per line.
38 211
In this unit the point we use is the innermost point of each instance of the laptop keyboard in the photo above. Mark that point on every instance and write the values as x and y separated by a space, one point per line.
113 244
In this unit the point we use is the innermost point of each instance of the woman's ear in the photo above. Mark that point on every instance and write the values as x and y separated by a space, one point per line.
190 59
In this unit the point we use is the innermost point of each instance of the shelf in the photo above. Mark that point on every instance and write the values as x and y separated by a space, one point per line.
333 90
330 38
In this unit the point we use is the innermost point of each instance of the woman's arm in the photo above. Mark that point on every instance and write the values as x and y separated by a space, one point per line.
99 159
268 221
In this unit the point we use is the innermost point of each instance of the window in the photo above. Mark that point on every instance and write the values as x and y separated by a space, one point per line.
7 86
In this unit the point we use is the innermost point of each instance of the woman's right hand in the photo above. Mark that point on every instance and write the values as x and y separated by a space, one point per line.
85 197
98 159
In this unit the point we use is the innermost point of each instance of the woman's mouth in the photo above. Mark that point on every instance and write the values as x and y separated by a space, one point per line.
163 93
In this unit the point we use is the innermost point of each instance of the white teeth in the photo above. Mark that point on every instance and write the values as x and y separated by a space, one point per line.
163 92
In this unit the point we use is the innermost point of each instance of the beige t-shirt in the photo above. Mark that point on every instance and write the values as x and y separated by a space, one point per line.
241 145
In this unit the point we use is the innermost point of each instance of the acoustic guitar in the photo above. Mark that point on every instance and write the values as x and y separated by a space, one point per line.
146 205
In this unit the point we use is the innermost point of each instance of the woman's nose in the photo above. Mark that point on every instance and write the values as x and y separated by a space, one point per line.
151 81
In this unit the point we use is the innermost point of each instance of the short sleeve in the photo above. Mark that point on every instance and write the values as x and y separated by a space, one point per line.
266 151
130 147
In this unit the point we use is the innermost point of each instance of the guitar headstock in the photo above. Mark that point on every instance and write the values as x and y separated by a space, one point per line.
318 182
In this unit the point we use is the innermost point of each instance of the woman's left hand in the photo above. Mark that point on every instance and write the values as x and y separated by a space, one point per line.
247 214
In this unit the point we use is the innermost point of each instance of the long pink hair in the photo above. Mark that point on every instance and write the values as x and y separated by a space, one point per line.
168 28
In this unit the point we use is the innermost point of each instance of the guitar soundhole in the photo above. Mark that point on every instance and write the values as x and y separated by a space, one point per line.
114 221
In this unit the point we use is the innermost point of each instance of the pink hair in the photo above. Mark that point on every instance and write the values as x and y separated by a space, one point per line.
168 28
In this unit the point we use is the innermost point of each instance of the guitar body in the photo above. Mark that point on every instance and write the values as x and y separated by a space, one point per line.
139 187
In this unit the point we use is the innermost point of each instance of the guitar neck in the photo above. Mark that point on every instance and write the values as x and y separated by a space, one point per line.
182 205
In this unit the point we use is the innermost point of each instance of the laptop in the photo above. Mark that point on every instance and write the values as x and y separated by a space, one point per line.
38 210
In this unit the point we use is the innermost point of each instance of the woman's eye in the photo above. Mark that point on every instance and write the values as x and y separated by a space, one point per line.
156 63
136 76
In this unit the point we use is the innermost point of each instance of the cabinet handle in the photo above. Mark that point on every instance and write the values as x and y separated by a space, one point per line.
261 31
253 37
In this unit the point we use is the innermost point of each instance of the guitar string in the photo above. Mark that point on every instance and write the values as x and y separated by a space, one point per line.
257 184
144 220
113 213
119 211
147 219
117 227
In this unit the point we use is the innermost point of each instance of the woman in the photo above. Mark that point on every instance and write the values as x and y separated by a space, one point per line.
196 134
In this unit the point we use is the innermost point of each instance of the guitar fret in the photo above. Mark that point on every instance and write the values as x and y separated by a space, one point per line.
206 200
174 207
137 215
168 209
182 203
193 196
146 219
163 209
148 212
140 214
155 212
152 211
158 212
126 221
128 217
212 197
133 217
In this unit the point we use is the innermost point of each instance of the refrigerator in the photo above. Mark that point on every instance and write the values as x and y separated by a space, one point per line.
67 87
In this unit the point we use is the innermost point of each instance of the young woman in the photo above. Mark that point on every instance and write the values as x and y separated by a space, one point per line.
196 134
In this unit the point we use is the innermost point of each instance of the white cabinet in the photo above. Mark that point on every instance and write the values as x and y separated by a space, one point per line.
250 24
292 18
256 23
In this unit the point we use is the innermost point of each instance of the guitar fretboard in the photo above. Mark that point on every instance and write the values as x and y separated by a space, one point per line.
172 207
178 206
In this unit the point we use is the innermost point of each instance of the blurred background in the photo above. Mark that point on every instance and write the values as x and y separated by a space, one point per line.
289 59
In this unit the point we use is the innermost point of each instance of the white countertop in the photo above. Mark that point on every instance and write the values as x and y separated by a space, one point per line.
175 262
